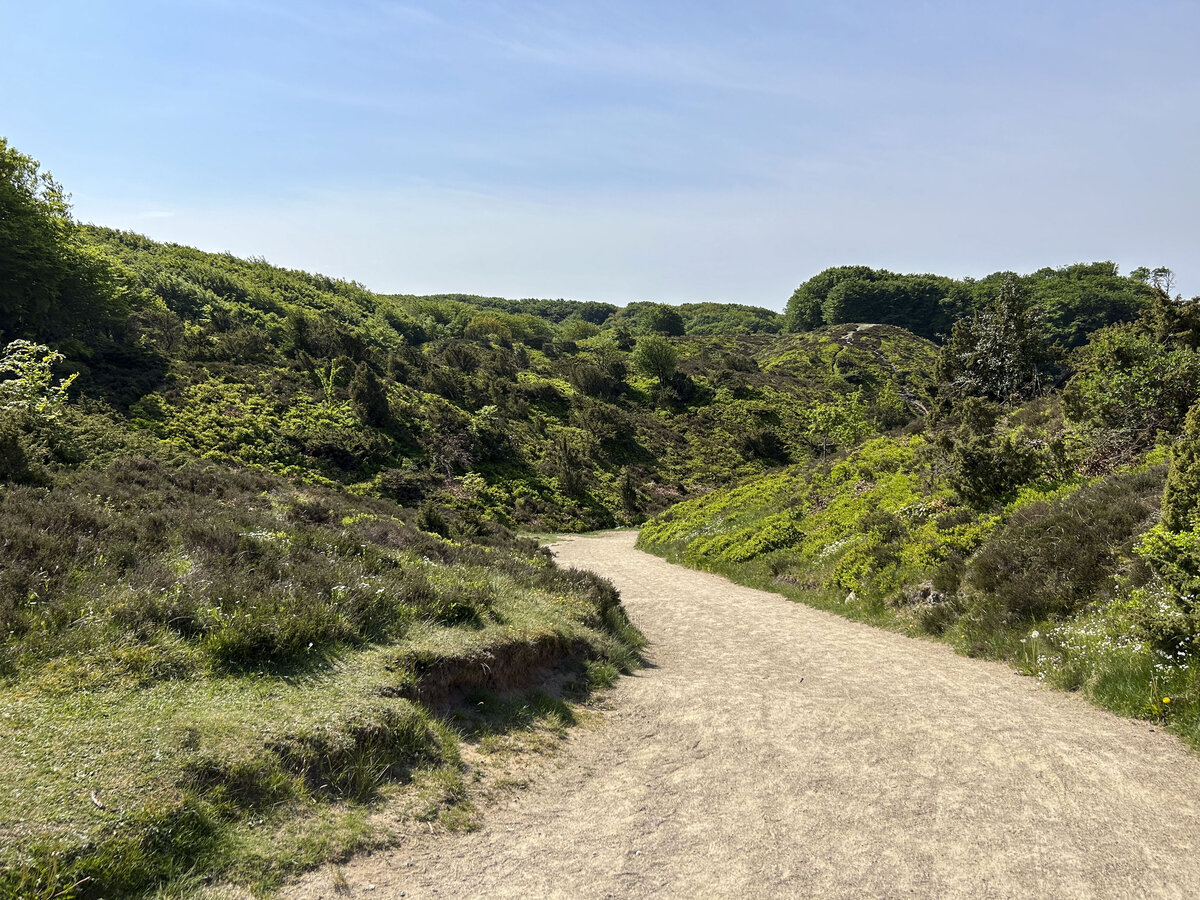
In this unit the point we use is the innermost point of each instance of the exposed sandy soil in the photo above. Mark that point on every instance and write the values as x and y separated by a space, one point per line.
778 751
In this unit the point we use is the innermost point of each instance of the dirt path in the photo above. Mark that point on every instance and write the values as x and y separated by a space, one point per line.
778 751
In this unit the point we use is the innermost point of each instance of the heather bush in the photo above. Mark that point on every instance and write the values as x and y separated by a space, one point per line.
1054 558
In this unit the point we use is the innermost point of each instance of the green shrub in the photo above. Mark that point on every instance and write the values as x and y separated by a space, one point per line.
1181 498
1130 380
368 397
1054 558
1175 558
655 356
16 464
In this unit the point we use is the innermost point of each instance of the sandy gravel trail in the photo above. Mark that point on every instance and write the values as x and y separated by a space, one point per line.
778 751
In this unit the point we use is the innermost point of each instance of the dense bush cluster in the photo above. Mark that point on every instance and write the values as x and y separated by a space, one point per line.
1071 302
1054 558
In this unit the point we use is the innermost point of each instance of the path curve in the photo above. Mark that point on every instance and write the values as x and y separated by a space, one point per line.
779 751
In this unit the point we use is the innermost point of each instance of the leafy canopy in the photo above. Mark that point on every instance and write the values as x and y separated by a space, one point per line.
30 386
53 284
1072 302
655 356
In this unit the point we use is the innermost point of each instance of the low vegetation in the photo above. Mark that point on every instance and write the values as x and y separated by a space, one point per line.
525 413
208 669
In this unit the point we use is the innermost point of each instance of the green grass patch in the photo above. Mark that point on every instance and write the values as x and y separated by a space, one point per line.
216 673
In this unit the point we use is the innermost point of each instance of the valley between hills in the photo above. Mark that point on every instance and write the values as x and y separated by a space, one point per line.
275 585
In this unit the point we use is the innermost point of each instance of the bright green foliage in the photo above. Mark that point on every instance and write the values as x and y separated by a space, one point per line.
1172 549
919 303
491 327
1131 380
695 319
728 318
258 366
575 319
838 424
865 524
1074 301
54 286
29 385
554 312
656 357
32 401
662 319
986 459
1174 556
1070 302
806 307
1181 500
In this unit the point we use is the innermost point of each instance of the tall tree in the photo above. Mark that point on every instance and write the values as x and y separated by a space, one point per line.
997 354
655 356
53 285
662 319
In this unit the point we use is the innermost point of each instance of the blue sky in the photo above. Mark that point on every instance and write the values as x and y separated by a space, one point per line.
621 150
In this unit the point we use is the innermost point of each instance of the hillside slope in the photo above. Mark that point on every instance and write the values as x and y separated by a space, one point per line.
214 659
212 670
503 415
